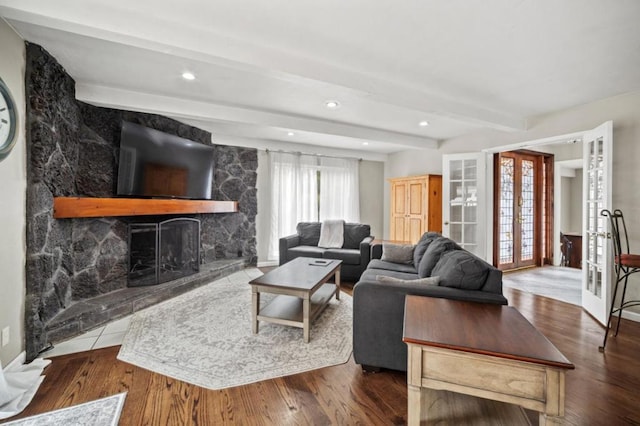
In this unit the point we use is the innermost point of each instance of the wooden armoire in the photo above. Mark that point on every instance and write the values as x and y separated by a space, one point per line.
416 207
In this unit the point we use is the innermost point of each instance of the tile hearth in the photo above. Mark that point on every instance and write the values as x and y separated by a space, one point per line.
87 315
111 334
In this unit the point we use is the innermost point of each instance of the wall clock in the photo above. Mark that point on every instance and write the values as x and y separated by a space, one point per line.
8 121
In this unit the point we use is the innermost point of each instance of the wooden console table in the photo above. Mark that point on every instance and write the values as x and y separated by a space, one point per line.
485 350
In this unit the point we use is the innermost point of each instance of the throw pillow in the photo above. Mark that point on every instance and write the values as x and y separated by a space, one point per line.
461 269
354 233
309 233
331 234
432 255
419 281
422 246
397 253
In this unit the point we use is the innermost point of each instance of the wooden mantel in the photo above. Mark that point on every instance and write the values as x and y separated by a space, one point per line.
75 207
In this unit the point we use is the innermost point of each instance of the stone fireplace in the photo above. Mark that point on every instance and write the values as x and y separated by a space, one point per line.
77 269
163 251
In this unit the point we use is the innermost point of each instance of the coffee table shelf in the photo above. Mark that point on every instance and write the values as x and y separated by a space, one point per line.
288 310
303 292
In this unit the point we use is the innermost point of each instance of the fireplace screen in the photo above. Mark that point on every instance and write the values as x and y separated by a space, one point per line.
164 251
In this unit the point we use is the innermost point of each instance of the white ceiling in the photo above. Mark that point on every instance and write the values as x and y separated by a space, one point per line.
265 68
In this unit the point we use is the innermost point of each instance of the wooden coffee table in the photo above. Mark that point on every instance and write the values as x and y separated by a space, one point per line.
303 292
483 350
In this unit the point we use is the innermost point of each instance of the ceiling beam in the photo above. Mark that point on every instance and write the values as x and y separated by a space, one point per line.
205 111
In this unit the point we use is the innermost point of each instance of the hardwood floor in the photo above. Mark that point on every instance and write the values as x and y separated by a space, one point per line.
601 390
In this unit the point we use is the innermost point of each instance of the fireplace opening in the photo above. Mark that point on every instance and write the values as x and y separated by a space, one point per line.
163 251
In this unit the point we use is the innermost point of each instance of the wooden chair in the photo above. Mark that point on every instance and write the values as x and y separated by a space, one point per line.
565 248
625 264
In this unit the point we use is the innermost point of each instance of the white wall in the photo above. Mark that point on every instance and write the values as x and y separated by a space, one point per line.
408 163
13 177
575 205
571 203
565 204
371 178
372 196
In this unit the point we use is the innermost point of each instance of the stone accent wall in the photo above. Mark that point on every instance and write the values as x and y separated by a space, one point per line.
72 150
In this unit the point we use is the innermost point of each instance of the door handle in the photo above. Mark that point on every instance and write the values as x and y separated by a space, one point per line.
446 223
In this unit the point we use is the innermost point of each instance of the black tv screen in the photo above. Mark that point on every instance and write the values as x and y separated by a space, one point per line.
157 164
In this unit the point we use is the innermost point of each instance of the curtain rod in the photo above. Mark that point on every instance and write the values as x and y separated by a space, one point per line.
314 155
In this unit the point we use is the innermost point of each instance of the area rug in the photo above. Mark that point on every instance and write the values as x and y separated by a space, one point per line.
556 282
101 412
204 337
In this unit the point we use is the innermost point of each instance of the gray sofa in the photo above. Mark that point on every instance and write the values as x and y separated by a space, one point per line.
355 252
378 306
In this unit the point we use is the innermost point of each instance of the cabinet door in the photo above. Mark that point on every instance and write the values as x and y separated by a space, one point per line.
416 210
434 204
398 210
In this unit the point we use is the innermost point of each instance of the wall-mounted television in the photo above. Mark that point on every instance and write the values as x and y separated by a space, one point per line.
157 164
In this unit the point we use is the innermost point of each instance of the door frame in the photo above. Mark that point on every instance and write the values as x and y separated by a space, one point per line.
532 144
543 231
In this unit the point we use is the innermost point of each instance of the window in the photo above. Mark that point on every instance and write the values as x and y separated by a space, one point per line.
307 188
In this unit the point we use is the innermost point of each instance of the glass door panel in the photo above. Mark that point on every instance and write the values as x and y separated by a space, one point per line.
527 211
519 214
597 189
463 183
506 214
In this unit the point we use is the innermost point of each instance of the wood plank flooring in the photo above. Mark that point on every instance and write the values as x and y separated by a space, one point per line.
602 390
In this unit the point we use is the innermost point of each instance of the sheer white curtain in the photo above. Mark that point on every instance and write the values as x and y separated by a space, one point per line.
339 189
294 195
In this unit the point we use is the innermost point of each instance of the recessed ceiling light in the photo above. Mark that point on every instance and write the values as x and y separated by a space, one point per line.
290 134
365 143
188 76
332 104
423 123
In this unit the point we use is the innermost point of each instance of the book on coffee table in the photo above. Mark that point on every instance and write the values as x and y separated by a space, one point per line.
320 262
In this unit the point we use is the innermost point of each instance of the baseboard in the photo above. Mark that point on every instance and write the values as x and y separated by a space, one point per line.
17 361
267 263
633 316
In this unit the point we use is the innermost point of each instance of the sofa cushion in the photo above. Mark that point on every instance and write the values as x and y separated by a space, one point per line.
390 266
397 253
432 255
305 251
348 257
309 233
422 245
370 274
354 233
461 269
418 281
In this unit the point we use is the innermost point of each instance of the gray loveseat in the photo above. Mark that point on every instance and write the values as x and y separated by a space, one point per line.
378 306
355 252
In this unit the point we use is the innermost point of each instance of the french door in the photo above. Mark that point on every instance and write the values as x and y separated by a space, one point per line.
596 246
518 209
464 203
